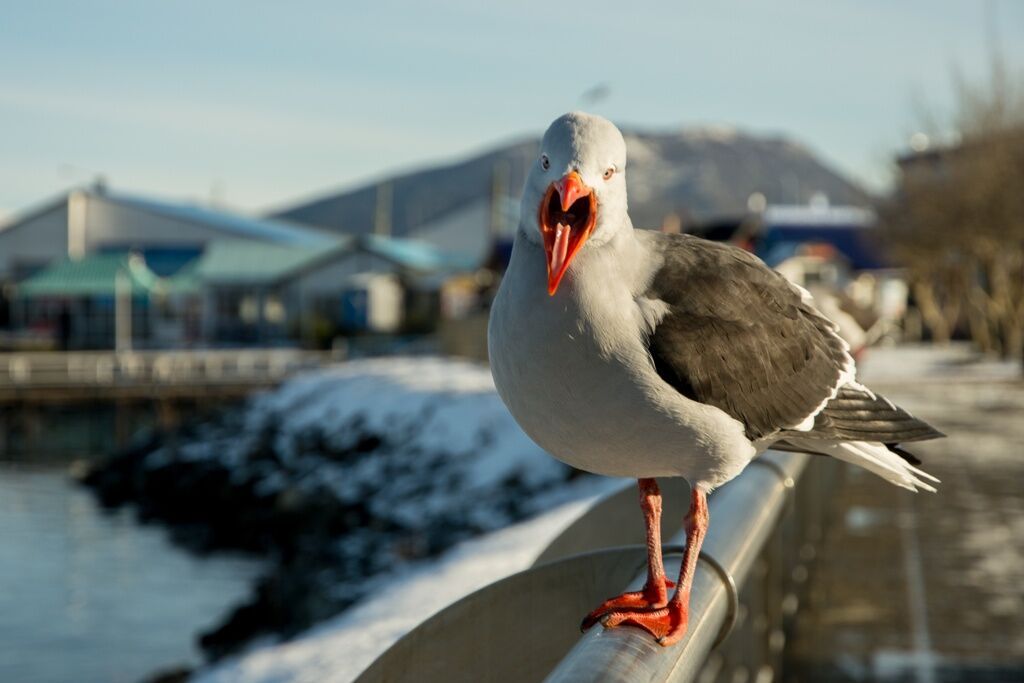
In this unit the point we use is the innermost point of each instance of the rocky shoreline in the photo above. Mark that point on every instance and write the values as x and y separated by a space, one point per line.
336 478
207 510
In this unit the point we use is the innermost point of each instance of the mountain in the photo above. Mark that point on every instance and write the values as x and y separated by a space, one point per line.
700 174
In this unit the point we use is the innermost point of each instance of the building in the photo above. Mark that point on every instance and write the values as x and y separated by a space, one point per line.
818 244
88 222
236 286
167 234
210 277
482 230
97 301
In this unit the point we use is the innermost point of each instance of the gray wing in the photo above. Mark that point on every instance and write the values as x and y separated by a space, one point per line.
740 337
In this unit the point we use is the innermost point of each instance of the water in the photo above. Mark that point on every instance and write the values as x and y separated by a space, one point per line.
94 597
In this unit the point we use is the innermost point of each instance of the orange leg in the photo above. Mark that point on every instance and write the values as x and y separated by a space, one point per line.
655 591
668 624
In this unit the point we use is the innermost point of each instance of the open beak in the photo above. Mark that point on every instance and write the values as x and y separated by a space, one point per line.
568 213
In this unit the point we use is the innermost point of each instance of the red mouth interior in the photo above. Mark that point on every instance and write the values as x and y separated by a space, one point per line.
579 218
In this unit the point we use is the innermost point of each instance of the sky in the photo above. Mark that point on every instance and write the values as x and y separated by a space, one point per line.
261 105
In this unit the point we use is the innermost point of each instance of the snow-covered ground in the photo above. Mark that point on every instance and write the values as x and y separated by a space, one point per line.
436 430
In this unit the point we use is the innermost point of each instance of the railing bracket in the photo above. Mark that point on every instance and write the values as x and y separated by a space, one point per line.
733 593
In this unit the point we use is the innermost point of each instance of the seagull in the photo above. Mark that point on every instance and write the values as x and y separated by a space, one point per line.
634 353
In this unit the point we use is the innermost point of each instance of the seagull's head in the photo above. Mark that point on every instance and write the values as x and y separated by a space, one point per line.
575 194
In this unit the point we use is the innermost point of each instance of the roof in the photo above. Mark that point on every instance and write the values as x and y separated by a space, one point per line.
244 261
415 254
94 275
267 229
421 257
229 222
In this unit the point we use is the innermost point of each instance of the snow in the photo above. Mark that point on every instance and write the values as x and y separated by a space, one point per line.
431 403
341 648
433 428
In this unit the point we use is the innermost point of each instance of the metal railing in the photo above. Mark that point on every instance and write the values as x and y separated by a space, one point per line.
746 590
149 371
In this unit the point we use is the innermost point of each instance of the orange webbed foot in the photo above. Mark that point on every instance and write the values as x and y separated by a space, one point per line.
650 598
667 624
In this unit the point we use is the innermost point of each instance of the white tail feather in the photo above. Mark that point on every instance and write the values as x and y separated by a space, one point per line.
874 457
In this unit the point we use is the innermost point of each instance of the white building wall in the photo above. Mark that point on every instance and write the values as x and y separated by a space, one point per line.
386 300
335 276
35 241
110 224
309 291
40 239
465 232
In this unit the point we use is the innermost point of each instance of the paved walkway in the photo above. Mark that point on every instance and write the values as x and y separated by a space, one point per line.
926 588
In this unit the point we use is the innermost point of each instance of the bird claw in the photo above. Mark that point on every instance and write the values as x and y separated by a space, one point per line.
636 601
666 624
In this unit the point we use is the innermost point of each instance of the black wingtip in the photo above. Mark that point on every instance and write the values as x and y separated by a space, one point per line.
906 455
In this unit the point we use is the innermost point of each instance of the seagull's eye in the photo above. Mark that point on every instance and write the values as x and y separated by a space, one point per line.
609 172
545 163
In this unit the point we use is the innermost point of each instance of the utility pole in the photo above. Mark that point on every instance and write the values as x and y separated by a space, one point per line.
122 311
499 197
382 214
77 207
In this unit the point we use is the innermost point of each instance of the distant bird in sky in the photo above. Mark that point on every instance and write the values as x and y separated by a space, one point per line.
642 354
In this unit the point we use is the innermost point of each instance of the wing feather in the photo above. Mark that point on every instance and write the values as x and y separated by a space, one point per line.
739 336
857 414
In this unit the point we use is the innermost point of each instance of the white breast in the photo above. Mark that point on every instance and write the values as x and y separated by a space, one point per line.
575 373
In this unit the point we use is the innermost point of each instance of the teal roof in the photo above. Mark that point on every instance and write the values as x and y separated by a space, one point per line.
415 254
94 275
246 262
230 262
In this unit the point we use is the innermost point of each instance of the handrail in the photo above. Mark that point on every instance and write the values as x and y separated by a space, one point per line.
522 628
744 514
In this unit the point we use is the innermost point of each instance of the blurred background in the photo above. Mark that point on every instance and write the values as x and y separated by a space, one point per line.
247 252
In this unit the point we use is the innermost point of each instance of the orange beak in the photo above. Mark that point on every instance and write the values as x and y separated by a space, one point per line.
567 216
